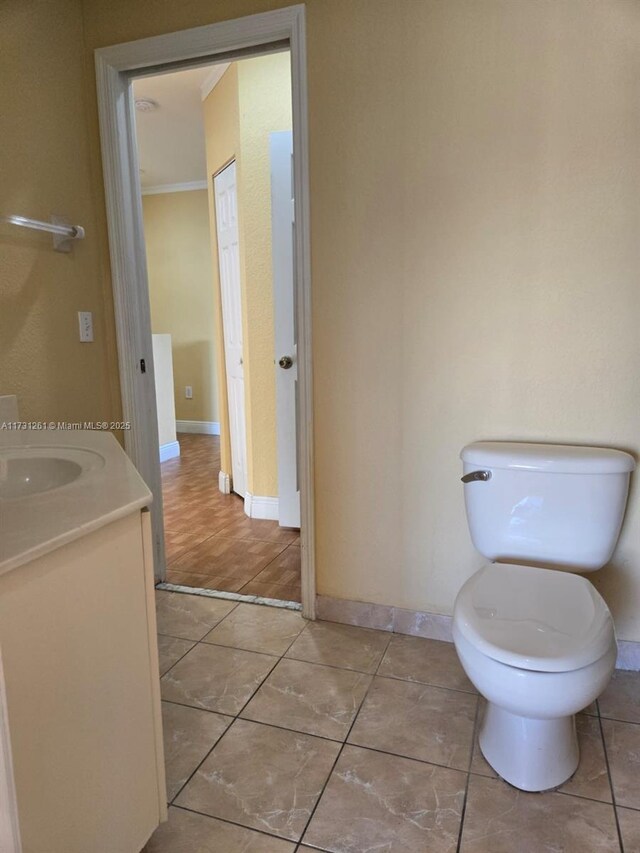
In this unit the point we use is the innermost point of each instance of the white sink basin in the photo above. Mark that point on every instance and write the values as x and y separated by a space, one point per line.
28 471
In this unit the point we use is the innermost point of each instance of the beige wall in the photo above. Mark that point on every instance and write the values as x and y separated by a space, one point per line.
177 238
264 97
45 168
261 88
163 376
475 199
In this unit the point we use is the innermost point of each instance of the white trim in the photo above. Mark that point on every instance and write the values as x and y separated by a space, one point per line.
115 66
185 187
257 506
212 79
169 450
628 655
200 427
421 623
224 483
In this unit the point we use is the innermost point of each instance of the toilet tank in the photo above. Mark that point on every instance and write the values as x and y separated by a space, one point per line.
552 505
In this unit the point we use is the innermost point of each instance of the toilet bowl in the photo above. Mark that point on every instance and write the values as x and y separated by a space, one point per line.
547 655
535 639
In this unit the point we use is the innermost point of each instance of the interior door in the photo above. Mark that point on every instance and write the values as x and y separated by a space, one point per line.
286 338
226 201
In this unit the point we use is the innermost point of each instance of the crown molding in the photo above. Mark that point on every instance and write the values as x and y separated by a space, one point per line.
184 187
211 80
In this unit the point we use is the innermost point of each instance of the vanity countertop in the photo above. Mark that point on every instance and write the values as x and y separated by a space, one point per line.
33 525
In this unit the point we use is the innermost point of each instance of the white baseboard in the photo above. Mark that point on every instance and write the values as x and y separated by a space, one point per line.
200 427
224 483
169 450
256 506
421 623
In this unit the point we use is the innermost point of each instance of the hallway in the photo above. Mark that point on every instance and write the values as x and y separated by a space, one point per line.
210 542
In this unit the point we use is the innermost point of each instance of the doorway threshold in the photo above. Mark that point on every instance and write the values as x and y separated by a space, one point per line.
230 596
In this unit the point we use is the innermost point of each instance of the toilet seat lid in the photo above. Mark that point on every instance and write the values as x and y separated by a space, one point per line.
536 619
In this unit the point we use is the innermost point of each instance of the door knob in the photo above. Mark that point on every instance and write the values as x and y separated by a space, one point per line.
286 362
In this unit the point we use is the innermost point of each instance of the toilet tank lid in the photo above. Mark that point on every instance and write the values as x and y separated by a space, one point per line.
548 458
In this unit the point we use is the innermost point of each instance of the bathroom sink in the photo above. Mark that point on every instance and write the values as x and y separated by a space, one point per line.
28 471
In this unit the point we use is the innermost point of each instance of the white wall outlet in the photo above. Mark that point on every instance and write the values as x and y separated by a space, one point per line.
188 392
85 321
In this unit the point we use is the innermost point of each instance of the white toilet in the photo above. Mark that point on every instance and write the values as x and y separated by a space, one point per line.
537 641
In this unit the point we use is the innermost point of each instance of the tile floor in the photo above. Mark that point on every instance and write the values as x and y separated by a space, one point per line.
210 542
283 735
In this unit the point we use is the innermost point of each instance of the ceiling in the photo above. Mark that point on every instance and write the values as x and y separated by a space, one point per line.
171 146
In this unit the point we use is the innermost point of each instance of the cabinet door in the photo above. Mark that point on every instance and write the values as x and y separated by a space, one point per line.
82 694
9 829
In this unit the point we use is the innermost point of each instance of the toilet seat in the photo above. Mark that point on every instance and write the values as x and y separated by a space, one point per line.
534 619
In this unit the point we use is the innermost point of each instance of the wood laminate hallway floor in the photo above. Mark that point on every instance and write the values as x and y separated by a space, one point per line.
210 542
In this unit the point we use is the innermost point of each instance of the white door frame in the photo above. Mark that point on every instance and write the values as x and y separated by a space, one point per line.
115 68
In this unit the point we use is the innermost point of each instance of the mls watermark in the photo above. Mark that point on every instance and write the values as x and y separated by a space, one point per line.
64 425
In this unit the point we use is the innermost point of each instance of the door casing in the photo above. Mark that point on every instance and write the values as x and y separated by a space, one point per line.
116 66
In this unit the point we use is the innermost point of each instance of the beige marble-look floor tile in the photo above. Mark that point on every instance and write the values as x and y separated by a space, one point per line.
340 645
189 734
591 779
263 778
189 617
377 802
427 661
216 678
623 750
170 650
258 629
502 819
621 699
417 721
186 832
629 821
309 697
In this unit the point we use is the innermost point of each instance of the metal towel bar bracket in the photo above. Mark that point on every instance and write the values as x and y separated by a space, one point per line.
63 233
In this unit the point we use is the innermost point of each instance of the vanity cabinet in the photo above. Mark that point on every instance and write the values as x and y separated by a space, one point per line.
79 654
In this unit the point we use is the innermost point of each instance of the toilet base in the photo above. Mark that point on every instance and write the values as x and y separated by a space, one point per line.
530 754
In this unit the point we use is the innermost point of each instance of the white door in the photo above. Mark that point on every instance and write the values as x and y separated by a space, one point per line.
226 199
286 338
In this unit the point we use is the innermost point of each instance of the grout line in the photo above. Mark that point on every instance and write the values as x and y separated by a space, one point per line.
468 779
613 793
235 718
344 743
195 643
234 823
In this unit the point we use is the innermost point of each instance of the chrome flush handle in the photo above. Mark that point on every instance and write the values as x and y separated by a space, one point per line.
476 475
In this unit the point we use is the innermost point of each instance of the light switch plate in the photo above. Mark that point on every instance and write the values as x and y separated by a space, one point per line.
85 321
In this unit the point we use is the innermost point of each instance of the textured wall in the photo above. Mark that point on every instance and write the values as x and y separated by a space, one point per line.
252 100
264 93
178 243
45 169
475 202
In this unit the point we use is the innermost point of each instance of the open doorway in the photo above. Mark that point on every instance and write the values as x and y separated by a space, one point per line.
215 149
